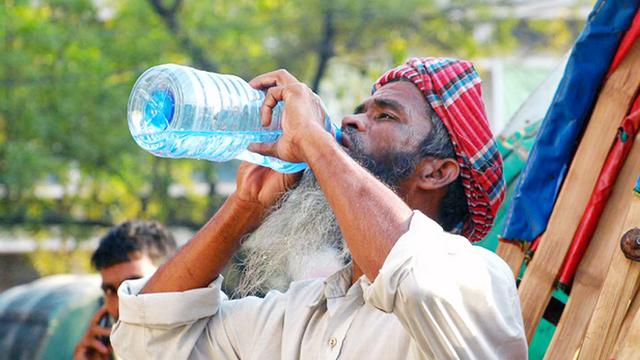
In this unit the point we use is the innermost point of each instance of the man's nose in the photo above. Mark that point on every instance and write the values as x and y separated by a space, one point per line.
355 121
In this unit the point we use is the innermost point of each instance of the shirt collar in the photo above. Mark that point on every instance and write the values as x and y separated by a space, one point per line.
334 286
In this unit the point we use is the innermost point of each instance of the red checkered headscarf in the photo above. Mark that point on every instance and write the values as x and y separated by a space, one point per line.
452 88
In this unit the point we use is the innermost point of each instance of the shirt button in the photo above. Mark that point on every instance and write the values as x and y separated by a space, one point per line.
332 342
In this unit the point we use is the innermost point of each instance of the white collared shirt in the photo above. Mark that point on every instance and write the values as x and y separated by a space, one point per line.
436 296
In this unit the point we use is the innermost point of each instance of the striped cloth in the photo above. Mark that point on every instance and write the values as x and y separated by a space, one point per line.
452 87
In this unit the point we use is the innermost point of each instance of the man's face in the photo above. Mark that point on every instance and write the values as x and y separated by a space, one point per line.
385 131
112 276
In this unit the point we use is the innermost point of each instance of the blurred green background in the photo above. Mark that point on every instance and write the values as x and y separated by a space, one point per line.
68 166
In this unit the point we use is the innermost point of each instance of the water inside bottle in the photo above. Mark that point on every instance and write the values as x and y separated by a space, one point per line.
210 145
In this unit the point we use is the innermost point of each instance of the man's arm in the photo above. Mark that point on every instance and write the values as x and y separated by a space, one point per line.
371 216
202 259
454 299
182 320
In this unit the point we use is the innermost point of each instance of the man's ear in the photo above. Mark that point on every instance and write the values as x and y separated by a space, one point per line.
437 173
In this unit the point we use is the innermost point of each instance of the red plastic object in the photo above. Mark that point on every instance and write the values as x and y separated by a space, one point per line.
629 38
601 192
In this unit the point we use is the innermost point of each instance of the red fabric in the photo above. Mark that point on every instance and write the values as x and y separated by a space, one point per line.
534 244
625 45
600 195
452 88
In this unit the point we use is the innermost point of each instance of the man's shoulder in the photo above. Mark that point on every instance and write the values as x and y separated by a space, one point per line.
455 244
495 261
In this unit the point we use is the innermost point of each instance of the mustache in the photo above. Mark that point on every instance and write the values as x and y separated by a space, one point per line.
356 149
391 167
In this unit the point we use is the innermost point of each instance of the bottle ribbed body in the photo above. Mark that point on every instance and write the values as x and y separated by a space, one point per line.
179 112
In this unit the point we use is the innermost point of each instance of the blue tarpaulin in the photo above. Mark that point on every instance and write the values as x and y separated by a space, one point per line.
566 119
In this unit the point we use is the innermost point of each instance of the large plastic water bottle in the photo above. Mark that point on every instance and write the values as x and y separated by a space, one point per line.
179 112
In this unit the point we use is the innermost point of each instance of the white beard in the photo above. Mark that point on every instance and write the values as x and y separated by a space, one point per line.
300 239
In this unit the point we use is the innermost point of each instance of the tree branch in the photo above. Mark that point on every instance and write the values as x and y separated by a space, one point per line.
169 15
325 47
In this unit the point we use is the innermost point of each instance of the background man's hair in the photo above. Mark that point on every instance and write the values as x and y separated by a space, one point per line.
453 208
124 241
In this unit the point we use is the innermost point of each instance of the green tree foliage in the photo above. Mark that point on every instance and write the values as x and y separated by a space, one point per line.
67 66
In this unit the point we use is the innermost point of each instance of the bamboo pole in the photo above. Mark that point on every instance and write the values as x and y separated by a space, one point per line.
612 106
615 297
512 252
593 268
631 344
626 324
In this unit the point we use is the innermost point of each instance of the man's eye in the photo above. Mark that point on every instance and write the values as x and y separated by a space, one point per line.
386 116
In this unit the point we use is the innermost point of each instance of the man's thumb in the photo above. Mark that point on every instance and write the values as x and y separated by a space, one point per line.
267 149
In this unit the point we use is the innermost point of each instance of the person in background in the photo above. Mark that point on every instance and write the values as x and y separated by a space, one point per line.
131 250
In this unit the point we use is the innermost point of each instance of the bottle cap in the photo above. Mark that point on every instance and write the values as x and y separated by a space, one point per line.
159 109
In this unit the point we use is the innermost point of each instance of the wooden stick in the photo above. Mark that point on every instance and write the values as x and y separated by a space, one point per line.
612 106
512 252
626 324
609 344
615 297
631 344
593 268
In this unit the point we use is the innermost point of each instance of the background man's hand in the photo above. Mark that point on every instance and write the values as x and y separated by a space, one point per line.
89 346
303 116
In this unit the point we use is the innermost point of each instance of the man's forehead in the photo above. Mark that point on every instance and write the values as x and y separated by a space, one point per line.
139 267
400 93
401 86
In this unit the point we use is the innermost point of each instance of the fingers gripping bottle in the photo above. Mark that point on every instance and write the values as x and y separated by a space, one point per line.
179 112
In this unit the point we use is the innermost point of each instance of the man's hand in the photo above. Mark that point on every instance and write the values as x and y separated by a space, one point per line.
302 119
262 186
89 346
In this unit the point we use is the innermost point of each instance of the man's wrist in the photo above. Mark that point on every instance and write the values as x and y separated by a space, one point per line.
316 145
251 212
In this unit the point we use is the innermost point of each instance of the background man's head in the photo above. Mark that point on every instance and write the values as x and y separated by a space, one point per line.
130 250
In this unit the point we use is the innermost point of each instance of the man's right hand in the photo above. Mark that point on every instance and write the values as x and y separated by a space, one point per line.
89 346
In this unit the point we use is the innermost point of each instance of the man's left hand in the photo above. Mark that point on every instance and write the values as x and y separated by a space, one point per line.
302 118
262 186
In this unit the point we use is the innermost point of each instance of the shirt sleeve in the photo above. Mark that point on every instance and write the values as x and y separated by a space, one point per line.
455 300
178 325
